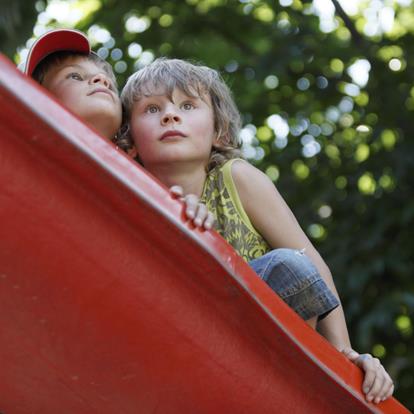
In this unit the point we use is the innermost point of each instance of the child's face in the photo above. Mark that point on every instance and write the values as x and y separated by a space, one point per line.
84 88
168 130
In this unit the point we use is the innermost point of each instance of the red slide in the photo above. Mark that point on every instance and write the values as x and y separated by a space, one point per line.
111 303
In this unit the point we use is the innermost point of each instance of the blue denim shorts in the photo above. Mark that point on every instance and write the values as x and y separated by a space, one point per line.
296 280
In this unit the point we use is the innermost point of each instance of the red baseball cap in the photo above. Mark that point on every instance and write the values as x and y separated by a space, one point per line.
55 41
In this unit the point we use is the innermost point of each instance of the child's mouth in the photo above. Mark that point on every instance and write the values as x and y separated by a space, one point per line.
171 134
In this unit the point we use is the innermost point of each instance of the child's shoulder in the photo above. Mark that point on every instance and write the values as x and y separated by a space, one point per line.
250 183
244 172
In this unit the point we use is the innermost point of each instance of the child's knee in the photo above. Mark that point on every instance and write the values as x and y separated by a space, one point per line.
289 271
292 275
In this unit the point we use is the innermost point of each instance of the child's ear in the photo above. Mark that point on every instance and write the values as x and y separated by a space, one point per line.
132 152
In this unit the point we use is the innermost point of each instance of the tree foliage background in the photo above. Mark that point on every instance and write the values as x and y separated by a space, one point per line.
338 145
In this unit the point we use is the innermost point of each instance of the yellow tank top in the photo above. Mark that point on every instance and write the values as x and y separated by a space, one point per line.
232 223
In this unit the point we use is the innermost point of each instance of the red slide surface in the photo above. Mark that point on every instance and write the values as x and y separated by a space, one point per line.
111 303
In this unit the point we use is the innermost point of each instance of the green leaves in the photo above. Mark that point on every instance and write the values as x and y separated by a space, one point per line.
328 116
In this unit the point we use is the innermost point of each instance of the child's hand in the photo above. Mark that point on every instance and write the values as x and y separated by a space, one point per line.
377 385
194 210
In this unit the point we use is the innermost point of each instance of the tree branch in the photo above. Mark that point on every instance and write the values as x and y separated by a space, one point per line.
348 22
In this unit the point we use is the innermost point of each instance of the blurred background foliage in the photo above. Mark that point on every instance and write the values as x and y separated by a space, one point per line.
326 90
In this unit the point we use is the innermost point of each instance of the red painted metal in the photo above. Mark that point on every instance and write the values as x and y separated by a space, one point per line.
111 303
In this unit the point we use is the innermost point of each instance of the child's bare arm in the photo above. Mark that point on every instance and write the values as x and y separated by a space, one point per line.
274 220
194 210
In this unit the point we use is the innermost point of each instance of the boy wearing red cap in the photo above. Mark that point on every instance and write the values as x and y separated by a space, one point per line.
62 61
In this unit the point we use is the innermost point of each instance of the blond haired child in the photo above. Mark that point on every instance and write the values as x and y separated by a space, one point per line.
184 126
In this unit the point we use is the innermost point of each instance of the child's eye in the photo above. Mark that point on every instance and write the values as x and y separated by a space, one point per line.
75 75
187 106
152 109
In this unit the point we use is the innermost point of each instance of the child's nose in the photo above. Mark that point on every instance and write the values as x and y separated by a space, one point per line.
170 118
100 79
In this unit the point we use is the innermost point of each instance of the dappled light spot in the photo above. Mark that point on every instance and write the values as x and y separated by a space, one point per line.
367 184
247 134
387 182
165 48
404 325
363 129
332 151
346 120
144 59
70 13
341 182
166 20
303 84
346 104
409 103
359 72
98 34
249 73
134 50
388 139
249 152
273 172
279 125
154 12
259 155
362 152
204 6
264 133
326 11
324 211
136 24
120 66
317 117
379 351
285 3
371 118
343 34
310 146
351 89
316 231
231 66
362 99
103 52
322 82
300 169
271 82
280 142
337 65
333 114
396 65
327 129
386 53
314 130
110 43
116 54
283 22
264 13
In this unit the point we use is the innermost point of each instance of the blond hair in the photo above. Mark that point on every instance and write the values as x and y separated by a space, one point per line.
194 80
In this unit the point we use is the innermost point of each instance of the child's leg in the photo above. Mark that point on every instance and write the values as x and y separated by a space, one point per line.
296 280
